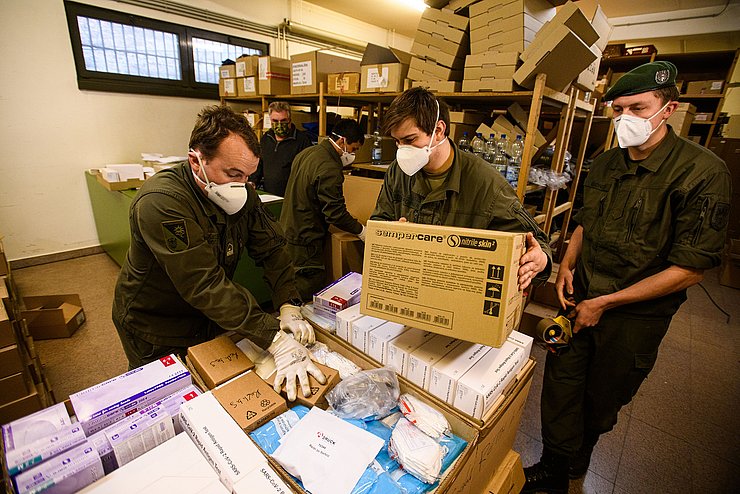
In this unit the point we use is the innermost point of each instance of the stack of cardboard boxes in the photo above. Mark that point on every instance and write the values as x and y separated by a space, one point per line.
440 46
253 75
383 69
309 70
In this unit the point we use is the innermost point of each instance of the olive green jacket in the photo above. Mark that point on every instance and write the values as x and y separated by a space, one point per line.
639 218
175 287
475 195
314 197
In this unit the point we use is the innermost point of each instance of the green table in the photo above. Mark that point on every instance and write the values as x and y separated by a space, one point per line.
110 210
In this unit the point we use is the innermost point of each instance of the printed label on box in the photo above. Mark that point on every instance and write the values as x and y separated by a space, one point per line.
262 68
225 74
302 74
249 84
716 85
229 86
376 78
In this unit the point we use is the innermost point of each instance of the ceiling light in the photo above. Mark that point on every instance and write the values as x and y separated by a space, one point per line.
414 4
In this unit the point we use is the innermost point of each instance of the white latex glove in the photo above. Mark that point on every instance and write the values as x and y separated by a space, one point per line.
361 235
292 361
292 320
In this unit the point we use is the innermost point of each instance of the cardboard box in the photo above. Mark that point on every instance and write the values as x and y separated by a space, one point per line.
492 59
703 116
310 69
541 10
53 316
498 44
7 333
30 428
471 117
344 320
545 294
247 86
730 274
448 370
457 130
105 451
246 65
731 130
489 84
133 183
273 75
79 467
227 71
32 402
318 391
490 72
600 22
227 88
379 341
705 87
224 445
422 70
139 433
521 117
439 86
421 360
587 79
361 193
13 387
509 33
561 56
344 83
249 400
532 315
492 23
218 360
572 17
443 18
470 286
11 361
346 253
433 54
442 31
340 294
262 480
101 405
361 328
383 69
682 118
400 348
509 476
450 53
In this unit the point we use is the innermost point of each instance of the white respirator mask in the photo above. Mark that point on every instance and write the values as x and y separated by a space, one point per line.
231 196
347 158
635 131
412 159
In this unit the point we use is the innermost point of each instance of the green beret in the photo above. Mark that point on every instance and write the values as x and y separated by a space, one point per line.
646 77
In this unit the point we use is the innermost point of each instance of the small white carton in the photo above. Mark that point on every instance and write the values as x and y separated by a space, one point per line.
523 340
139 433
452 366
362 327
172 404
63 474
40 424
40 450
262 480
478 389
344 319
339 295
421 360
220 439
105 451
400 348
101 405
380 337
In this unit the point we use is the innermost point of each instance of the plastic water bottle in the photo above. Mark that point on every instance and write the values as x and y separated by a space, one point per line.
503 146
500 162
489 153
515 163
464 143
477 145
377 153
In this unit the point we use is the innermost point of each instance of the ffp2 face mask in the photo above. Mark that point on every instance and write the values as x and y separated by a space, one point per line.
230 197
635 131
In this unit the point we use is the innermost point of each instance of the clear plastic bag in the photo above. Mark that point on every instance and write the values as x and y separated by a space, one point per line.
321 354
370 394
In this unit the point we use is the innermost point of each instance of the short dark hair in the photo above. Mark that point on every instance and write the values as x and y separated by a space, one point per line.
419 104
350 130
667 94
279 107
214 124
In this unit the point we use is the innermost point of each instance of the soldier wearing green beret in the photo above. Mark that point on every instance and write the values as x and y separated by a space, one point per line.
654 217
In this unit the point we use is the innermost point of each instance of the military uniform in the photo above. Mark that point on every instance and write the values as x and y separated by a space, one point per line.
314 199
638 219
275 164
175 288
474 195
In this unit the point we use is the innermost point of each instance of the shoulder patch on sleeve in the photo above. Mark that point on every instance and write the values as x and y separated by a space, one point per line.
720 216
176 235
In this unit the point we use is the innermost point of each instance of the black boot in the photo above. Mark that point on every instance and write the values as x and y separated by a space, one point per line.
580 462
549 475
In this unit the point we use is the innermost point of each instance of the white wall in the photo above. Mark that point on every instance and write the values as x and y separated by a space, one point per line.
52 131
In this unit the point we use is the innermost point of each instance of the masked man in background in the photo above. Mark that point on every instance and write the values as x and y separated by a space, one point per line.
190 224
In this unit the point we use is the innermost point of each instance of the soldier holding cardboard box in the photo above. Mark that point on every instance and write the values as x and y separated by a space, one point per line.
654 218
433 182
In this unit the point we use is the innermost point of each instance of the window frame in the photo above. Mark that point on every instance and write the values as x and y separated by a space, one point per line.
124 83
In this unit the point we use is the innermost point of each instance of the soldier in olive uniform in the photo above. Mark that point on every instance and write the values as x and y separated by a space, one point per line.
189 226
433 182
654 218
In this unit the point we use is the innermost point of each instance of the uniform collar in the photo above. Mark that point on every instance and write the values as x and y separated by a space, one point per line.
329 147
657 157
453 178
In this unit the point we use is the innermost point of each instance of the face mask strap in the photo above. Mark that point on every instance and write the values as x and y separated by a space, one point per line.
200 163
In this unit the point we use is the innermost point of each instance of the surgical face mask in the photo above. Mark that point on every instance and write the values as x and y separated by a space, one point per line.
281 129
635 131
412 159
346 157
231 196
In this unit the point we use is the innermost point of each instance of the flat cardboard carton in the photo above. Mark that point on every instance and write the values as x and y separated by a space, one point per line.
503 37
310 69
489 84
344 83
227 88
318 390
7 333
379 341
400 348
250 401
444 31
509 476
444 18
448 370
79 467
521 117
422 70
432 53
455 48
245 66
10 361
247 86
344 320
492 59
492 23
139 433
470 117
497 72
421 360
705 87
469 289
383 69
587 79
273 75
32 402
13 387
541 10
227 71
603 27
218 360
361 193
572 17
561 56
132 183
499 44
53 316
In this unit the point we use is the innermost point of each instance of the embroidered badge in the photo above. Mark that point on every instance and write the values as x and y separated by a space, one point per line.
175 235
720 216
229 249
662 76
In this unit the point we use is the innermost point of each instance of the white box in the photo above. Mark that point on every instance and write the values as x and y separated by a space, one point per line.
421 360
128 171
26 456
308 313
451 367
339 295
139 433
380 337
478 389
101 405
63 474
523 340
262 480
220 439
173 467
343 322
400 348
172 404
362 327
40 424
105 451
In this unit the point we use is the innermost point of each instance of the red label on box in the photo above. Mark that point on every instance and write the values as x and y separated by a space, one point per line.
167 361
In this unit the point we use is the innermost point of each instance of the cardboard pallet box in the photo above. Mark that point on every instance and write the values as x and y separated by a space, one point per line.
383 70
308 70
509 477
344 83
273 76
53 316
469 289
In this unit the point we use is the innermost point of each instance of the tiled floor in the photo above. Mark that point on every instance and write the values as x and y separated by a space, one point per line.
681 433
